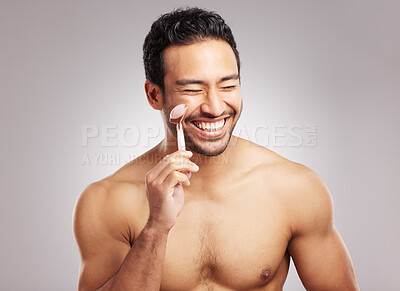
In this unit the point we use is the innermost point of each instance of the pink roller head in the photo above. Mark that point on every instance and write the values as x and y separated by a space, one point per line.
177 112
176 116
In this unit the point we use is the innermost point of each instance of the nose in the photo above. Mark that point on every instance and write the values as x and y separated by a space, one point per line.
213 103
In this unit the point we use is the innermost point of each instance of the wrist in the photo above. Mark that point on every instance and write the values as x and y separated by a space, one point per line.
154 228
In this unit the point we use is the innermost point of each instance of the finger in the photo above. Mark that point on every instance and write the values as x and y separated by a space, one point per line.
188 174
183 165
175 178
155 172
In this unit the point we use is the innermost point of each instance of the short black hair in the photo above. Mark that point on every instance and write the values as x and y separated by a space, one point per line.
182 27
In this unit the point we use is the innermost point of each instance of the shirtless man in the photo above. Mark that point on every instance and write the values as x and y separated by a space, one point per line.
234 223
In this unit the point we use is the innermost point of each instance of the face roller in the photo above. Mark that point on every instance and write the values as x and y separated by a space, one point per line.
176 116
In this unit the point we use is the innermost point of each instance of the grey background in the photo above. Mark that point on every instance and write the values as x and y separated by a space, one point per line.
67 64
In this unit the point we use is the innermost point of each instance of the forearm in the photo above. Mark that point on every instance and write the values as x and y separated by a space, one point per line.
142 267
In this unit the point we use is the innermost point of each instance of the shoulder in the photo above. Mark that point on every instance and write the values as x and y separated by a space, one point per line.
109 207
307 192
294 179
300 189
306 197
122 192
116 200
109 193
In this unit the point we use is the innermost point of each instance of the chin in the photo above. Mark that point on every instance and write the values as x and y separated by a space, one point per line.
210 147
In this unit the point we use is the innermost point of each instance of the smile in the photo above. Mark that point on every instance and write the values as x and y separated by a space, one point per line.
210 126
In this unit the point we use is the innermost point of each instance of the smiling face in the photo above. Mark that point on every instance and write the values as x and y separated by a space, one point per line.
204 77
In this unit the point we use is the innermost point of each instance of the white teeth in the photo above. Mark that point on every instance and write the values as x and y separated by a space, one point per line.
210 126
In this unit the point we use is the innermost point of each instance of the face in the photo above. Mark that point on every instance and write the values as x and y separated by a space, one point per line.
204 77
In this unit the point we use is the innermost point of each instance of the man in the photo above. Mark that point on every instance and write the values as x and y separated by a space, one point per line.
235 220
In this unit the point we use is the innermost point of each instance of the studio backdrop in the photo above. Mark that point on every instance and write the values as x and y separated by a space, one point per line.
320 86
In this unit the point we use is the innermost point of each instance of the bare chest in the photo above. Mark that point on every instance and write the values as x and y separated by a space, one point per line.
239 243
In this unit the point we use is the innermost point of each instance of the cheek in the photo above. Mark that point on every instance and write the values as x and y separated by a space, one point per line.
175 98
233 99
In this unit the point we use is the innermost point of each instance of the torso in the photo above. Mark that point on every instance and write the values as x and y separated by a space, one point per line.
232 245
231 237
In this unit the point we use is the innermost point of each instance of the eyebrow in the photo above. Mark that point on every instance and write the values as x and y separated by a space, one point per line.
184 82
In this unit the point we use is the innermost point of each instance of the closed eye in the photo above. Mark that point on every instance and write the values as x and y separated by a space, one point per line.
192 91
229 87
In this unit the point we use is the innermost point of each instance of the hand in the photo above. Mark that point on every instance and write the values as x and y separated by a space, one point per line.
164 188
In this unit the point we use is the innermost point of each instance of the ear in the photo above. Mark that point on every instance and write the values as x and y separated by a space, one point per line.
154 95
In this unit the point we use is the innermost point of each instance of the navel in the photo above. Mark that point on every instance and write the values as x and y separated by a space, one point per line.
265 273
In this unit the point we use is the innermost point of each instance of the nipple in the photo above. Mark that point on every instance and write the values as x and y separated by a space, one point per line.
265 273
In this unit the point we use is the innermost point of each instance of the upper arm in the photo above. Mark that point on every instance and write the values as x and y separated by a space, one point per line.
98 234
319 254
